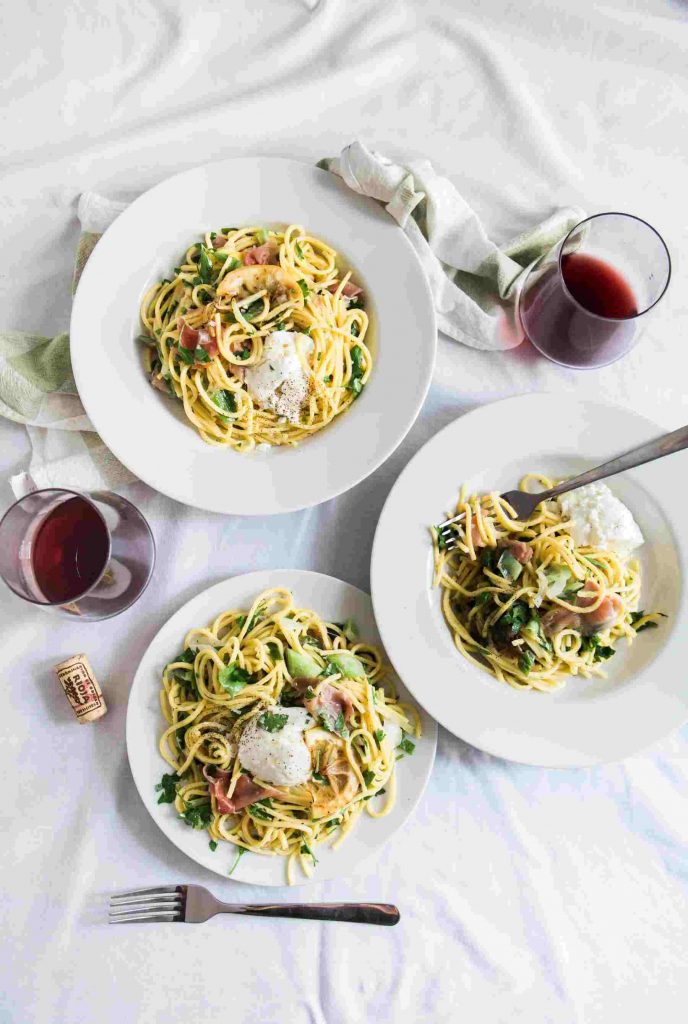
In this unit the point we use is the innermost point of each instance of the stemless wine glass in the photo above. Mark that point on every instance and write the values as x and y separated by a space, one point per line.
585 303
84 555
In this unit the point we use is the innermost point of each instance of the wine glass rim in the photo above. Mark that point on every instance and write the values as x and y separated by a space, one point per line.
83 593
630 216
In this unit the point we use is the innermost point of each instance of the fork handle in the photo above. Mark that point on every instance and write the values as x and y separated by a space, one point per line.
667 444
360 913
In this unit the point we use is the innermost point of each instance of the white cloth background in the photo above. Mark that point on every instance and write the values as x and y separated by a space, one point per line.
548 896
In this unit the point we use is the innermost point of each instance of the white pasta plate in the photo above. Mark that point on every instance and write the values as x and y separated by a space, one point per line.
645 695
334 601
149 433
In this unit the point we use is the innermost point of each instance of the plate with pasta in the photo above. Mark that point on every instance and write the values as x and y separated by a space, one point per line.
267 734
550 640
237 335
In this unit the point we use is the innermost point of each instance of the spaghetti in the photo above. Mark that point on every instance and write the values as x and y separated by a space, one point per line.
525 603
242 677
207 329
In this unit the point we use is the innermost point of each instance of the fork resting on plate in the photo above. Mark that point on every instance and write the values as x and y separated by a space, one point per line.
194 904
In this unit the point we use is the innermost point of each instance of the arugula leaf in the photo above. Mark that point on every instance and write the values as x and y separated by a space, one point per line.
379 735
198 815
603 653
213 845
257 616
355 329
233 678
200 355
225 400
205 267
368 777
299 250
593 643
272 722
167 788
241 850
274 651
509 625
407 746
526 660
304 288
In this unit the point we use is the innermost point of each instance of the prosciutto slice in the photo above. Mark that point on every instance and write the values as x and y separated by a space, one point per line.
604 615
330 702
245 792
261 255
349 291
190 338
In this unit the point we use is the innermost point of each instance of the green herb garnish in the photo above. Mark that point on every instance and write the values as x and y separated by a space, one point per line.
526 661
368 777
304 288
205 267
213 845
299 250
272 722
167 787
198 815
225 400
379 735
407 746
240 853
233 678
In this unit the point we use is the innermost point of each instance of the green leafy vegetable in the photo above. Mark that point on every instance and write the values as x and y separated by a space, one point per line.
485 597
257 616
558 579
487 558
350 631
340 725
368 778
441 542
355 329
379 735
526 660
205 267
233 678
272 722
637 616
225 400
262 236
301 664
167 788
145 339
407 746
509 625
274 651
200 355
304 288
198 815
186 354
533 629
318 777
594 643
259 812
299 250
357 370
240 853
213 845
307 852
253 309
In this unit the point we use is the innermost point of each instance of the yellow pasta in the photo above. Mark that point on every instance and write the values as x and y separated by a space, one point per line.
524 603
209 322
235 672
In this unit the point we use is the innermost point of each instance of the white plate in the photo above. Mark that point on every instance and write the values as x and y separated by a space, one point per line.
646 694
150 434
334 601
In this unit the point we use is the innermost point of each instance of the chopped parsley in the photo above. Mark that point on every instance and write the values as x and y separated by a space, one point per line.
253 309
225 400
526 661
213 845
594 644
379 735
233 678
357 370
368 777
274 651
205 267
407 745
272 722
259 812
637 616
338 725
509 625
167 787
199 815
304 288
307 852
299 250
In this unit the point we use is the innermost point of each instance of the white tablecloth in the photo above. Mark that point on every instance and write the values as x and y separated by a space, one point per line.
525 894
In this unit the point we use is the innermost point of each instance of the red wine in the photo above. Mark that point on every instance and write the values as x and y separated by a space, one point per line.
556 310
598 286
69 551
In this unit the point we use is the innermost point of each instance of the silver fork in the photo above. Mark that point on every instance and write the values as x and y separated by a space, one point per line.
193 904
525 504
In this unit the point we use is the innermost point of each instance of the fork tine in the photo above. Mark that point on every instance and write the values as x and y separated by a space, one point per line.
167 918
124 900
124 909
156 890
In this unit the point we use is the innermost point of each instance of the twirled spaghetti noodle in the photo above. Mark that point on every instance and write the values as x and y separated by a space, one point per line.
234 671
525 603
208 323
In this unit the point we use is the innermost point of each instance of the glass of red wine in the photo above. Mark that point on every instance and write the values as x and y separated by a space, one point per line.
585 303
88 556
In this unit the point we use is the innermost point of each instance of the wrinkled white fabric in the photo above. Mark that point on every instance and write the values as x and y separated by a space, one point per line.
556 897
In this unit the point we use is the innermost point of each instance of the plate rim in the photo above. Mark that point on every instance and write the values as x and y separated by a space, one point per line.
77 317
496 749
260 579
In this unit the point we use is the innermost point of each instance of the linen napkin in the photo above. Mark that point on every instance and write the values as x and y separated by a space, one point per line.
473 282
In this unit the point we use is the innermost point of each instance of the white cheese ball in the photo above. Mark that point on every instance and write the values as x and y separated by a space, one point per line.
280 757
599 519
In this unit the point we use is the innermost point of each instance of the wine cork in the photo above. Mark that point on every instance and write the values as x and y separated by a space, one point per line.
79 683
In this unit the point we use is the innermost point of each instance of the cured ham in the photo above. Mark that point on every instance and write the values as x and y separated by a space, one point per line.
261 255
330 703
604 615
521 551
190 338
349 291
246 791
